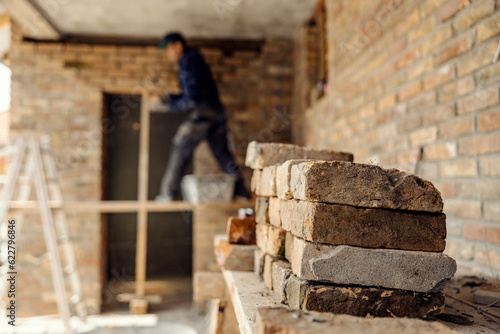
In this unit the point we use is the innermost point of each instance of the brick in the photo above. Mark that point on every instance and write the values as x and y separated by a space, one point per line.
424 28
388 268
473 14
476 58
437 38
456 89
410 20
487 257
233 256
372 302
441 113
454 49
284 320
456 128
492 213
274 211
407 58
450 9
260 155
489 166
423 136
264 181
268 270
478 101
489 121
440 151
262 210
488 76
460 250
484 233
276 242
439 77
283 174
289 246
459 168
281 271
208 285
241 230
488 28
423 101
369 186
477 189
420 68
259 259
479 145
371 228
262 236
386 102
409 91
463 208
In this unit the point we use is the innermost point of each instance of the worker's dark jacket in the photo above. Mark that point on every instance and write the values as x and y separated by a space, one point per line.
199 94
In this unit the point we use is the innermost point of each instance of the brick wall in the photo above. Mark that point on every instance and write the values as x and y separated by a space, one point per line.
412 85
58 88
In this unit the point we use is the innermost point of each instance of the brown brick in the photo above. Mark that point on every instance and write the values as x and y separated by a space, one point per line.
487 257
419 68
459 250
459 168
477 58
488 76
456 89
410 90
450 9
479 145
489 28
439 77
423 136
478 101
463 208
439 114
482 233
454 49
429 6
446 188
410 20
489 166
492 213
478 189
423 29
407 58
456 128
423 101
440 151
489 121
475 12
241 230
386 102
276 242
437 38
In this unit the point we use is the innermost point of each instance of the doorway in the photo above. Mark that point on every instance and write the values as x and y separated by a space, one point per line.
169 252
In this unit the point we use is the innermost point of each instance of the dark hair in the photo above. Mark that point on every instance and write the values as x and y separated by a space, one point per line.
171 38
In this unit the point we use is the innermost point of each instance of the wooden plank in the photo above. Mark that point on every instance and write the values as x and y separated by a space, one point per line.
124 206
247 294
142 215
32 22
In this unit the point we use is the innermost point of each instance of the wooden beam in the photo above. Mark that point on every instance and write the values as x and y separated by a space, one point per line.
142 215
32 22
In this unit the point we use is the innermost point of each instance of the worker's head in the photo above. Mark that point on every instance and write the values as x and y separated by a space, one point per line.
173 45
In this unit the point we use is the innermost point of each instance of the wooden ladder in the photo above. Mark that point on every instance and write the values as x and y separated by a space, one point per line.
34 157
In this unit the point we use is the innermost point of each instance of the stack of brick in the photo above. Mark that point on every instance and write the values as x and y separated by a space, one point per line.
264 159
359 240
235 249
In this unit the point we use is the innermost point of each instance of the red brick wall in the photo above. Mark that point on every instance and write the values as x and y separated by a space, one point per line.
57 89
417 76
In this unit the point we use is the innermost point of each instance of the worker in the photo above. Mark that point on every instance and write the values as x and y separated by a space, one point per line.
205 120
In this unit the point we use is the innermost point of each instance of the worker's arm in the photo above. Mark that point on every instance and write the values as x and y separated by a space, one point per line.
191 86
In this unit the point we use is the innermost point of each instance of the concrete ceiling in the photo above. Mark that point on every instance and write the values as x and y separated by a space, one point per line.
195 18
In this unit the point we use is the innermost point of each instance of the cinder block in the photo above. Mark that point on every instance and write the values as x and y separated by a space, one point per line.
388 268
360 185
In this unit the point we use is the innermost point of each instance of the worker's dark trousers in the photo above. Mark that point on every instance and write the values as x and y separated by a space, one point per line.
188 136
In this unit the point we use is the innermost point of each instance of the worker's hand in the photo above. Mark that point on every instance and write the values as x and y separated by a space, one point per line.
159 104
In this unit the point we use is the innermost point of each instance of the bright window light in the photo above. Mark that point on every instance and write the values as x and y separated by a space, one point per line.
4 88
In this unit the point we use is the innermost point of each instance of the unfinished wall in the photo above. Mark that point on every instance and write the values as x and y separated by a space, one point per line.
58 90
413 85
